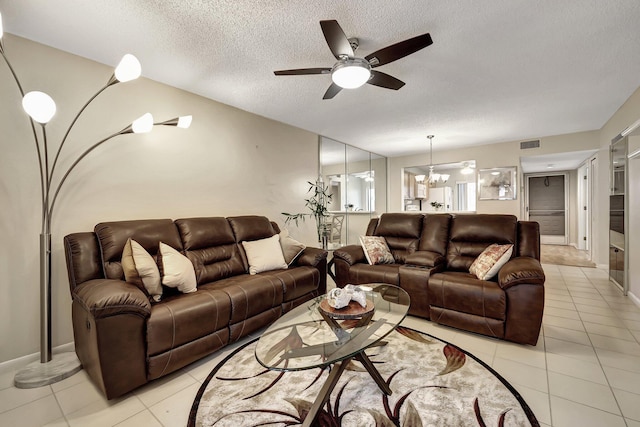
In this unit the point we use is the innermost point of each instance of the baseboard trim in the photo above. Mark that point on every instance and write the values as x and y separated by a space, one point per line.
634 299
20 362
603 266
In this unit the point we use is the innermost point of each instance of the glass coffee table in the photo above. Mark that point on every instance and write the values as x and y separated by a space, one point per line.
310 336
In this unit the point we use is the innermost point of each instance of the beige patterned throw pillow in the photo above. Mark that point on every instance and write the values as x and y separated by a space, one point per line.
490 261
376 250
140 269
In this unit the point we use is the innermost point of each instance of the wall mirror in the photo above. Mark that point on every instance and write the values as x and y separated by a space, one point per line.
357 181
451 187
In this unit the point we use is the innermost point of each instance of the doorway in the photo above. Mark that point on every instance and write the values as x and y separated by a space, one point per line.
547 201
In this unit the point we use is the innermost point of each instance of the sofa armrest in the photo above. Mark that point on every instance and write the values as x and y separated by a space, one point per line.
106 297
521 270
311 257
351 254
425 259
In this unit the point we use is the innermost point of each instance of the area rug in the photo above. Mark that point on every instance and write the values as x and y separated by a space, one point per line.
434 383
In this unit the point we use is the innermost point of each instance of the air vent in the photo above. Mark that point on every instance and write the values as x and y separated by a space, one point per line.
530 144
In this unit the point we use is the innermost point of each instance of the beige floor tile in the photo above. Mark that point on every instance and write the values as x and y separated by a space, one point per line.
579 337
12 397
538 402
576 368
73 398
585 392
623 380
520 353
561 312
600 311
591 302
141 419
562 322
160 389
633 325
602 320
103 413
570 349
632 423
35 413
60 422
618 360
609 331
559 304
522 374
566 413
174 411
621 346
629 404
77 378
6 379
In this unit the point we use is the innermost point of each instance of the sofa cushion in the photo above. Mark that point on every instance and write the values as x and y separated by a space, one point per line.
211 246
402 233
490 261
297 281
463 292
264 254
382 273
141 269
251 227
471 234
112 237
182 318
376 250
435 233
249 295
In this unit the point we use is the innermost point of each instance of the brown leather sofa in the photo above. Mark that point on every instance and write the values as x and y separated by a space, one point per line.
433 254
123 340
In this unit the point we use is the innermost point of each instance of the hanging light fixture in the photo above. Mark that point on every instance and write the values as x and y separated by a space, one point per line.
466 170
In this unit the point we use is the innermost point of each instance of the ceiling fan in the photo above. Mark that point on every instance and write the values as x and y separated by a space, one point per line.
350 71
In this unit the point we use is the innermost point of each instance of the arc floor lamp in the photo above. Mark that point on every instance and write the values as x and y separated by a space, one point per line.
40 109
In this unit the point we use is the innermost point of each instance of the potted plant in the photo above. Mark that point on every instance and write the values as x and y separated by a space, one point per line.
317 205
437 205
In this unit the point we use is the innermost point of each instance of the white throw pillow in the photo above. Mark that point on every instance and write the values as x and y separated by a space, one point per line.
490 261
376 250
291 248
177 270
264 254
141 269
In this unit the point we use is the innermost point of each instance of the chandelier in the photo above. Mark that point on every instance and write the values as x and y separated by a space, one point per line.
433 177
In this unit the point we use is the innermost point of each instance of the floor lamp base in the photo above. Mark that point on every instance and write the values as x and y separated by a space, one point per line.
37 374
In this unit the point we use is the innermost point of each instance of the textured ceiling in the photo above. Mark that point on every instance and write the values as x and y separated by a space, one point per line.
497 71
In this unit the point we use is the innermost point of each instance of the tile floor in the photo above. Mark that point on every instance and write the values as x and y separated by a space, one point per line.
585 370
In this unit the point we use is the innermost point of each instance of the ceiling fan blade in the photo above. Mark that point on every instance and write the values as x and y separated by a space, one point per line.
336 39
333 90
381 79
398 50
302 71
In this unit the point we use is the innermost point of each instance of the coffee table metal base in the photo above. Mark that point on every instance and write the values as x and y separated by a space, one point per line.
332 380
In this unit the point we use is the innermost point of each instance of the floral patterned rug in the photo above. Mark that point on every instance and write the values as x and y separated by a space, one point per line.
434 384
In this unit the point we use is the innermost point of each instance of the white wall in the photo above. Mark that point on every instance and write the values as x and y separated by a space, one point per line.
229 162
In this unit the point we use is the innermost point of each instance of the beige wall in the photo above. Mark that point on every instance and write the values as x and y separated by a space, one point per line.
229 162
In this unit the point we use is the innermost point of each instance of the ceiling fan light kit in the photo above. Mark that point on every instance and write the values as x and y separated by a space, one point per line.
351 72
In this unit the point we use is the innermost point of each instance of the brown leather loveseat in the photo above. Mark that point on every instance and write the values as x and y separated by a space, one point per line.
124 339
432 256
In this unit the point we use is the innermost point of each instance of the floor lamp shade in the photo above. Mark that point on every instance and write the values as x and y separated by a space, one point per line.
128 69
143 124
39 106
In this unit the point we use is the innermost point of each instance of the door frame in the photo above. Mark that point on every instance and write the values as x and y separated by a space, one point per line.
584 208
551 240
